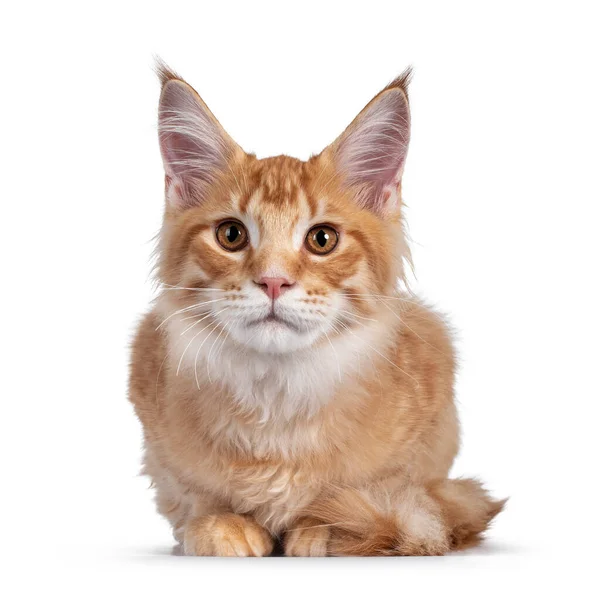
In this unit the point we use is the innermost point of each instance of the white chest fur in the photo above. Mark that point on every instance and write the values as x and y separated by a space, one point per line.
278 387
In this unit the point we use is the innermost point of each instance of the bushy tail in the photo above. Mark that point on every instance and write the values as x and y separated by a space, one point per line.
467 509
408 520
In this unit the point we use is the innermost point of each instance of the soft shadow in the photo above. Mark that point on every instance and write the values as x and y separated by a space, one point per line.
491 547
487 548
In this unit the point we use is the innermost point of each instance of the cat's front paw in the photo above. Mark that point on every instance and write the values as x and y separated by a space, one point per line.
307 537
226 535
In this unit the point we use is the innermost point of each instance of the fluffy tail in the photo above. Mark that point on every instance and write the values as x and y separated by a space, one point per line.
407 520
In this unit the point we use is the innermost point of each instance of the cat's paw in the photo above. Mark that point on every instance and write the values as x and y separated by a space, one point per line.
307 537
226 535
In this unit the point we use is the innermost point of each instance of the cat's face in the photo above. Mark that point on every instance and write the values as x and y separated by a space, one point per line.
279 254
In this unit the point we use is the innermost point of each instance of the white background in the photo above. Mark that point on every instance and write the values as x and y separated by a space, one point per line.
503 194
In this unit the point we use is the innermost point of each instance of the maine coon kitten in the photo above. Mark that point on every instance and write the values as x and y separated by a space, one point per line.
286 388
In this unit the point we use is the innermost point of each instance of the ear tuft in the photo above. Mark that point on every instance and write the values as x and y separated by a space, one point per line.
371 153
164 72
402 81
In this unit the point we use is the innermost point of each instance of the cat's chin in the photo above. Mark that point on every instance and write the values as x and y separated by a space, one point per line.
274 336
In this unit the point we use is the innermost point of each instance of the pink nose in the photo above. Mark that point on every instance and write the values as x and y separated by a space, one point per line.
274 286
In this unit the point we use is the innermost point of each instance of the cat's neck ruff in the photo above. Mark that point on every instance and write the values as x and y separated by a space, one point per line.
283 386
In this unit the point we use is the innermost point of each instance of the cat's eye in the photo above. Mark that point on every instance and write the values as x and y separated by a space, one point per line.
321 239
232 235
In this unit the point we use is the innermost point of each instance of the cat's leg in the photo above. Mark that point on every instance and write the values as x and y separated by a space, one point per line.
394 517
205 527
202 524
307 537
225 534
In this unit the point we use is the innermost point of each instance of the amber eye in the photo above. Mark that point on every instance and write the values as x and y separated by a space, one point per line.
232 235
321 239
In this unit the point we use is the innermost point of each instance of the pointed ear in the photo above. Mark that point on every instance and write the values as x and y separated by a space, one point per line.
194 147
370 154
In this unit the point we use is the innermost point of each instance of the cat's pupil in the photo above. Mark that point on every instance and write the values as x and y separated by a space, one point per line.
232 234
322 238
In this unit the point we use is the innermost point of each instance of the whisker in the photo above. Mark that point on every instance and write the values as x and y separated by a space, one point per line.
208 314
352 318
380 354
191 317
194 337
358 353
332 325
223 327
347 312
251 338
177 287
187 309
381 298
198 353
405 324
337 358
233 322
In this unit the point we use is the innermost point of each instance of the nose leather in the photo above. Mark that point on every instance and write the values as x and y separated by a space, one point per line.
274 286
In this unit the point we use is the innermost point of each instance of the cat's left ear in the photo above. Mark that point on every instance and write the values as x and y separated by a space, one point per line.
370 154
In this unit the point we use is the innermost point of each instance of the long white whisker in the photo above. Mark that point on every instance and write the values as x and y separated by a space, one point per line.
344 325
220 349
225 338
405 324
168 287
194 337
187 309
223 327
337 358
347 312
198 353
191 317
198 321
380 354
251 338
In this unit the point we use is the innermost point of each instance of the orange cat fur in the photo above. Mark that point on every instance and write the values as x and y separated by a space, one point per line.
286 388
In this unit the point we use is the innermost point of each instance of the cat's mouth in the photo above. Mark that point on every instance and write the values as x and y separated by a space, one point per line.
274 321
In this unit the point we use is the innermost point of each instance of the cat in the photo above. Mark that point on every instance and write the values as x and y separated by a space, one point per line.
288 389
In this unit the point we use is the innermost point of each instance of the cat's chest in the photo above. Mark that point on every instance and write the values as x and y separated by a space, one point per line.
278 472
273 492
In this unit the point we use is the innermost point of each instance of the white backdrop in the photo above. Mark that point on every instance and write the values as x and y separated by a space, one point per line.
503 194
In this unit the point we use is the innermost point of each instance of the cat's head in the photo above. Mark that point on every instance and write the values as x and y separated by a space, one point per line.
279 254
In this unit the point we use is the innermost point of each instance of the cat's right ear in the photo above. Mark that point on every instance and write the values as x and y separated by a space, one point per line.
194 147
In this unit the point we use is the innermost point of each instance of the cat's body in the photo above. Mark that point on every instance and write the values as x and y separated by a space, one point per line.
325 415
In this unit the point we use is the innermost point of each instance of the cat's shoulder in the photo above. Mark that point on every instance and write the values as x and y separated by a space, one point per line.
424 324
148 350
